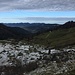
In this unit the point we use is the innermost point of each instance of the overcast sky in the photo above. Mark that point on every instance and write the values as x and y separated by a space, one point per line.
48 11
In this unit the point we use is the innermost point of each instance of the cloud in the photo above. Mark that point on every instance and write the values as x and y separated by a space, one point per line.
45 19
59 20
48 5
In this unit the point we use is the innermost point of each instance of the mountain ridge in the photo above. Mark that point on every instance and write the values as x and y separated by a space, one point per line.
12 32
62 36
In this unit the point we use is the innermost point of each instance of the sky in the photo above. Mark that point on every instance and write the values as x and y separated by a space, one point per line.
37 11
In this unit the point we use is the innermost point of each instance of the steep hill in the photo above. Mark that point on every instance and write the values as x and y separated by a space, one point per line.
12 32
63 36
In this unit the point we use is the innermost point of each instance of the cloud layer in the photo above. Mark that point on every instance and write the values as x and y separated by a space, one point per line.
59 20
48 5
53 20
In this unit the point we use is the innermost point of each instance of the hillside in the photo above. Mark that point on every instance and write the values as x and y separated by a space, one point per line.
24 30
12 32
62 37
55 35
24 58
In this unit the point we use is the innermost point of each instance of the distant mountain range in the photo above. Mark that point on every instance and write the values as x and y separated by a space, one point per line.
28 30
33 27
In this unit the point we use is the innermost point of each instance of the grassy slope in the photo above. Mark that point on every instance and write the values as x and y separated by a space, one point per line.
57 38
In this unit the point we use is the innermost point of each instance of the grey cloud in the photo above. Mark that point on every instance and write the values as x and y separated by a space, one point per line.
37 5
46 19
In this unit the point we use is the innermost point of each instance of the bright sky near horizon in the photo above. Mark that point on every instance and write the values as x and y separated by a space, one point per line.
43 11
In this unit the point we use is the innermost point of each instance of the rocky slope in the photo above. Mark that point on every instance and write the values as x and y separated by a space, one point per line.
23 59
